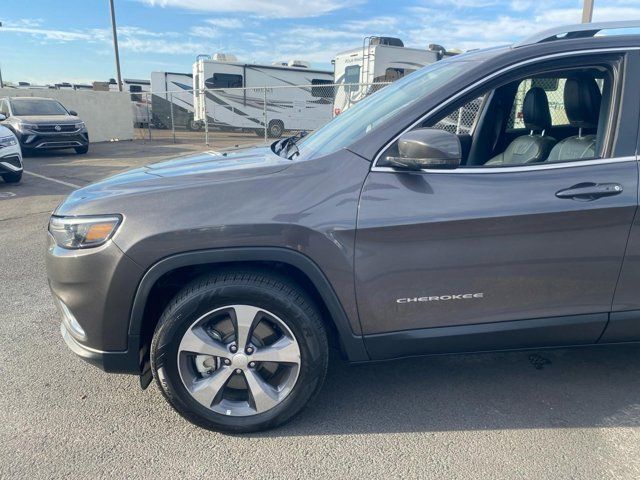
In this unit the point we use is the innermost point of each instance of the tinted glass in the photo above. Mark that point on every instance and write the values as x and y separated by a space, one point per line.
319 88
367 114
223 80
37 107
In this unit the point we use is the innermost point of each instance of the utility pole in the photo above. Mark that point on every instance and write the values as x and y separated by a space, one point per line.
115 45
1 82
587 11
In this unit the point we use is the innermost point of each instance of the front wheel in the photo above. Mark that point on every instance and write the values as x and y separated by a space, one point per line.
275 129
82 150
194 125
240 351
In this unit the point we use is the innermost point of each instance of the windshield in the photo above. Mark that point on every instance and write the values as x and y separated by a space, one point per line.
358 120
37 107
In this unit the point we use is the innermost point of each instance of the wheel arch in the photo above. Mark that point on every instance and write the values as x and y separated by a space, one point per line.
143 317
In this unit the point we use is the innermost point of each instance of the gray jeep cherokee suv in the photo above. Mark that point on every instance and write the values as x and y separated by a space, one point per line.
485 202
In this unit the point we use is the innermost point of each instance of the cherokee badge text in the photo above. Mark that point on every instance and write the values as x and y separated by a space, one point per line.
460 296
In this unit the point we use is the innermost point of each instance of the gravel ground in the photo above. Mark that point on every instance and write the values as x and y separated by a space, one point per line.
488 416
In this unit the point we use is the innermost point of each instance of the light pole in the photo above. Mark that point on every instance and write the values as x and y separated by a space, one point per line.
115 45
1 82
587 11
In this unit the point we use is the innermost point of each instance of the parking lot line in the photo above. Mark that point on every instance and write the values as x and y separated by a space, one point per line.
72 185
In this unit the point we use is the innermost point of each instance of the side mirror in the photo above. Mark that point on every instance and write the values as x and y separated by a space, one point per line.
427 148
2 117
73 113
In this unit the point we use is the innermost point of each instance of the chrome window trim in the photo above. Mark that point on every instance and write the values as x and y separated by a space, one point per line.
518 168
376 168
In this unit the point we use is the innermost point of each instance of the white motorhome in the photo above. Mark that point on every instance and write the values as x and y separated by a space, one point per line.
378 60
140 103
231 95
172 100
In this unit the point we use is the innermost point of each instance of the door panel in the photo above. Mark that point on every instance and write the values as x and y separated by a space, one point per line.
437 239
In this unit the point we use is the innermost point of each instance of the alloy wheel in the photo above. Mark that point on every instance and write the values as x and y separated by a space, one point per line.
239 360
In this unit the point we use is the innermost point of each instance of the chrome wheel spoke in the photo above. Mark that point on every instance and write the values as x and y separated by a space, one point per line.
205 390
196 340
264 395
240 380
245 318
285 350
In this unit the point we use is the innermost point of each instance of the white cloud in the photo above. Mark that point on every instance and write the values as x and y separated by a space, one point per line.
260 8
55 35
226 22
521 5
200 31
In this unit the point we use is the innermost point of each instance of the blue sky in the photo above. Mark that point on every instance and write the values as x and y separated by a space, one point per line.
44 41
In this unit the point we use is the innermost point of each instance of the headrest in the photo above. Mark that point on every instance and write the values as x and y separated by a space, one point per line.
582 101
535 110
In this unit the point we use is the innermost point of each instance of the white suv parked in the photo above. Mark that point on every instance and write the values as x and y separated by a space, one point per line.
10 156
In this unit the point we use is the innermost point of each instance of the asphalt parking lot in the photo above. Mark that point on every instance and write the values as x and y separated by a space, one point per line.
522 415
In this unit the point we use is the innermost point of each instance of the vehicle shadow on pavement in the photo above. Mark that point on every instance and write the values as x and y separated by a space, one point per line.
586 387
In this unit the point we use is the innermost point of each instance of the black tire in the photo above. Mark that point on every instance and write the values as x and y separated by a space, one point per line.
259 132
193 126
252 287
82 150
276 129
13 177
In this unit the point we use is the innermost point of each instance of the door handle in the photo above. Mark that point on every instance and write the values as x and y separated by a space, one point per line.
590 191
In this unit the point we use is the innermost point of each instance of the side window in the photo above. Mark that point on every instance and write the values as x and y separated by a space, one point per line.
321 89
4 108
553 88
223 80
352 75
135 90
556 117
461 120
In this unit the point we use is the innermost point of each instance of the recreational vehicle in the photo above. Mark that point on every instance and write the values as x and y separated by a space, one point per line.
232 95
172 100
379 60
139 101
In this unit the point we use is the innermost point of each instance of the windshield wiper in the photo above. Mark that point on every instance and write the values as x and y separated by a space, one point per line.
292 144
283 146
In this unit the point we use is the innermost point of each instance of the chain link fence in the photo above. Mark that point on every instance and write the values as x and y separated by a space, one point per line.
251 115
230 117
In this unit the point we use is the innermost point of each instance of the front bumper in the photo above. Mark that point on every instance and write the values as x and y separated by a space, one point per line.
127 361
10 162
94 290
51 141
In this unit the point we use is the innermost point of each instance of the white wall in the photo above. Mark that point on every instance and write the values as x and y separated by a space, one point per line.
108 115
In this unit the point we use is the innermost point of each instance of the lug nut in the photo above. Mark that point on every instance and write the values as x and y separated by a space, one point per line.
227 361
249 350
252 364
233 349
238 371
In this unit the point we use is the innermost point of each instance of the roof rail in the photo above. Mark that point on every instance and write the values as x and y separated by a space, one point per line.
580 30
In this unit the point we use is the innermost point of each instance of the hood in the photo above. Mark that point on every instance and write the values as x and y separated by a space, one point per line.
55 119
194 171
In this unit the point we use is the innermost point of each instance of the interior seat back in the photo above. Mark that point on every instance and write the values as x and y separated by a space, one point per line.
534 147
582 101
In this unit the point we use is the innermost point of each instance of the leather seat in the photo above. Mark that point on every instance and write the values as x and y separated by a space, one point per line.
582 101
530 148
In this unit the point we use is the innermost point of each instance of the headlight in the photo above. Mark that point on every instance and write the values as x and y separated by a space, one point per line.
83 232
8 141
80 126
26 126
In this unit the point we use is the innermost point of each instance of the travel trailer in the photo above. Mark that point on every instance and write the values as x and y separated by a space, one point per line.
378 60
231 95
139 101
173 91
